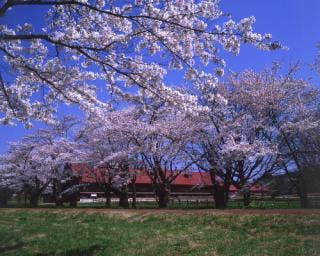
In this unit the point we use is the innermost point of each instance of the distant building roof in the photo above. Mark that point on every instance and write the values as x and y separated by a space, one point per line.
190 179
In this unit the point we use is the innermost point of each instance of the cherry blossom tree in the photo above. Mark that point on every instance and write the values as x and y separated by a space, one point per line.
162 147
130 47
5 190
108 157
22 172
37 164
157 136
233 145
288 112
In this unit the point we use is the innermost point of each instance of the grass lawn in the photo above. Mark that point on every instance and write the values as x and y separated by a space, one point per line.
72 232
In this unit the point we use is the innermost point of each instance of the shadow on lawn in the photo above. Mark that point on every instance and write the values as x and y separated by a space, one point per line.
76 252
16 246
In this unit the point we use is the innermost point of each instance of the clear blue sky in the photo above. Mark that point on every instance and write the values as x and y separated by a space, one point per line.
295 23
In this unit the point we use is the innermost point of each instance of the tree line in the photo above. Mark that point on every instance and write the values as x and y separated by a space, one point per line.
239 127
250 126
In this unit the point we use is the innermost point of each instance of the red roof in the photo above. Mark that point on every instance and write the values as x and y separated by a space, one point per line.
258 188
89 175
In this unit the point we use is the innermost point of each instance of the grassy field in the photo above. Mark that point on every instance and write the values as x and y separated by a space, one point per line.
200 205
75 232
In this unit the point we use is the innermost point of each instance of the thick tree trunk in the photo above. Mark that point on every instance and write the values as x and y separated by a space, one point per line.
243 185
220 193
304 201
303 189
301 183
123 197
34 199
303 193
74 202
25 197
3 201
134 195
72 199
107 195
35 193
4 196
19 198
220 197
57 193
246 198
162 192
59 202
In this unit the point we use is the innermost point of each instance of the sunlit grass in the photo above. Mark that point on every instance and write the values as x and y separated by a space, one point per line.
26 232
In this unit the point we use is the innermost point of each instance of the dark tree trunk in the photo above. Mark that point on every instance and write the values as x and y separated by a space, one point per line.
134 194
304 201
25 197
107 189
242 184
246 198
107 195
303 193
220 197
301 184
57 193
35 193
162 192
34 199
74 202
3 201
220 192
73 199
108 201
4 196
19 198
301 187
59 202
123 197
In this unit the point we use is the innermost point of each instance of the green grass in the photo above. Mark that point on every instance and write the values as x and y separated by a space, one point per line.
50 232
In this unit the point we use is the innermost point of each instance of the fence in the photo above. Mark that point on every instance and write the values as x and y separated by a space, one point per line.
205 200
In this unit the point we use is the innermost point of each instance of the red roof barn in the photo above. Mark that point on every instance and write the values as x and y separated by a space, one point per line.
192 181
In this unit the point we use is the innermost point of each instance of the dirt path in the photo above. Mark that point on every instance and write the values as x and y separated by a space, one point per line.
129 212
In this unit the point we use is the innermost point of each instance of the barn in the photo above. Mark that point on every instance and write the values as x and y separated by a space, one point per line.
195 184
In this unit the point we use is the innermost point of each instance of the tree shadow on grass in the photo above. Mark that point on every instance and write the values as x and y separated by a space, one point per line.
90 251
4 249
